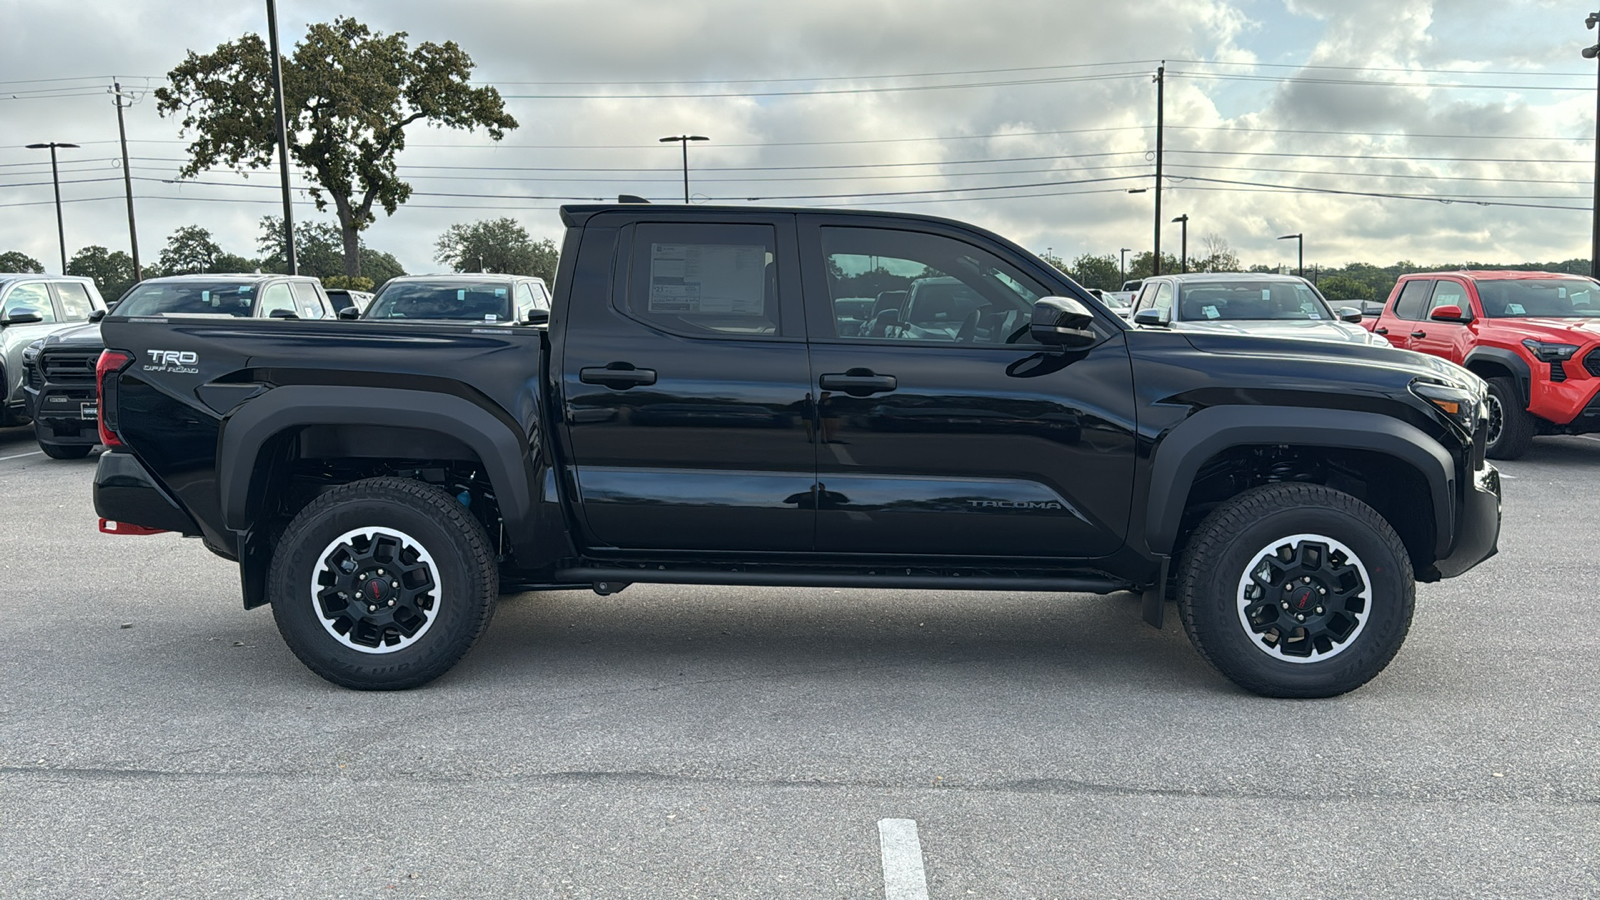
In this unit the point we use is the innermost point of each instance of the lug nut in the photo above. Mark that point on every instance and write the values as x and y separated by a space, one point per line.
380 571
1285 604
391 603
1319 609
358 595
371 608
1306 579
1300 618
395 585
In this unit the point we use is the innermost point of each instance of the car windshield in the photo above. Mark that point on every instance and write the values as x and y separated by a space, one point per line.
479 301
1548 297
1231 301
189 298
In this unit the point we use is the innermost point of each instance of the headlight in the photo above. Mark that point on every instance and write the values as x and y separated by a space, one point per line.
1550 353
1460 405
31 352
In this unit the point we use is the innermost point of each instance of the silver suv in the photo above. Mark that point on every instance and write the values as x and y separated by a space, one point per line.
32 306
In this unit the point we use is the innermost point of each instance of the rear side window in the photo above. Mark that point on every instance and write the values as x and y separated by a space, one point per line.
306 295
75 302
1413 299
705 280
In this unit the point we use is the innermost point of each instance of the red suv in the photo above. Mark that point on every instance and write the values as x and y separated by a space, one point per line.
1534 336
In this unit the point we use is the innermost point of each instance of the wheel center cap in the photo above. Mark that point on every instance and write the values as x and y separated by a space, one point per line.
375 589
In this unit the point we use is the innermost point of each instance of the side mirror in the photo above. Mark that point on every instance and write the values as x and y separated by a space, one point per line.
349 312
1061 322
282 314
537 316
21 317
1349 314
1152 316
96 315
1449 314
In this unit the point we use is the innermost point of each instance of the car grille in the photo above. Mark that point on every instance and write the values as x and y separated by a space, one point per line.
1592 362
68 366
35 377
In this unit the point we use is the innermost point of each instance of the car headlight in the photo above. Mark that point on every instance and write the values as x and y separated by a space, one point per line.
1550 353
1460 405
31 352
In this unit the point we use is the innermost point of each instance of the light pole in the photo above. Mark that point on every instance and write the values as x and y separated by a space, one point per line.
1594 229
684 140
1301 239
1184 221
55 178
1122 270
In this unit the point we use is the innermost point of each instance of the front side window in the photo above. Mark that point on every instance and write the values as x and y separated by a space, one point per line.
189 298
75 302
1163 297
910 286
1562 298
32 297
705 280
305 295
488 300
524 300
1244 300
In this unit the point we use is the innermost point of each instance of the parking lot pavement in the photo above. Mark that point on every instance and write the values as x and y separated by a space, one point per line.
157 740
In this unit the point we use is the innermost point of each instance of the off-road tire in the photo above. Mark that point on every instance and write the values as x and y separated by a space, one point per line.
430 537
1517 425
1214 585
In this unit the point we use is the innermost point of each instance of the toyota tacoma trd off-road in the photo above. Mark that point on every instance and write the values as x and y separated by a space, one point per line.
711 401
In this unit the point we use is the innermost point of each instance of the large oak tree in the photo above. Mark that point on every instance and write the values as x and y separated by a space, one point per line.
349 94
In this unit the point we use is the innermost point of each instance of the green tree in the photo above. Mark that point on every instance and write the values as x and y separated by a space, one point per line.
496 245
1103 272
18 262
112 270
190 249
1342 288
1217 255
319 252
349 94
1143 265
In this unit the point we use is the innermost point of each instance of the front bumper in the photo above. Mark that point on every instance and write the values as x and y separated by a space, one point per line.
124 491
1478 528
59 414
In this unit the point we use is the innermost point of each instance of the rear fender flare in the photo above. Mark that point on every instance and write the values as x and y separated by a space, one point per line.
1179 455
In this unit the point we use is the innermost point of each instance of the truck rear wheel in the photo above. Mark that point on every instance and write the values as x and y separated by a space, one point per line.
1296 590
1511 426
383 584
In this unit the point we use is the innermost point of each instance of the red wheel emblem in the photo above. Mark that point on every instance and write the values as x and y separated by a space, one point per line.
375 587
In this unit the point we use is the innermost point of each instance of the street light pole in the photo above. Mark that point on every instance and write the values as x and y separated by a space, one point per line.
283 139
1122 270
1184 220
1301 239
1594 229
1161 114
684 139
55 178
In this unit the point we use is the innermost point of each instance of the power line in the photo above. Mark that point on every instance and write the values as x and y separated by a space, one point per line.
832 91
1130 62
1218 76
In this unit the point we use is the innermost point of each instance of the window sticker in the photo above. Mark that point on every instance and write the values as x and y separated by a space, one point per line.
205 296
1515 309
1314 316
726 279
1211 312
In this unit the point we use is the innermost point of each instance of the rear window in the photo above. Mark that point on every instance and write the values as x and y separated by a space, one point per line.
1560 298
477 301
189 298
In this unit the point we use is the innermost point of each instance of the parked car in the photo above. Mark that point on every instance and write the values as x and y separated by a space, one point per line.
700 411
59 385
485 298
1130 291
1263 305
344 298
1534 336
1370 310
31 307
244 296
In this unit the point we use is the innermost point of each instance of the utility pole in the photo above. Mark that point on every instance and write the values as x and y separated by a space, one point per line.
283 139
1184 219
1161 127
1594 229
127 178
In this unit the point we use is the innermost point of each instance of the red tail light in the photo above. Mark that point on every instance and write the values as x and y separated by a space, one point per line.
110 363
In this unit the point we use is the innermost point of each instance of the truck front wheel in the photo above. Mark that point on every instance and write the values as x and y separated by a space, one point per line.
382 584
1296 590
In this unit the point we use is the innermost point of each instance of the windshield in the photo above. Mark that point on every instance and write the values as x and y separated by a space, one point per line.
479 301
1549 297
1231 301
189 298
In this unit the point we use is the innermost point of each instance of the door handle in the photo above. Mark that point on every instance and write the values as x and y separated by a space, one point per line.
858 382
1419 334
1380 331
619 375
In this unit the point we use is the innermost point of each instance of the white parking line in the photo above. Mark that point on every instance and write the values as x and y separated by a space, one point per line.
21 455
903 875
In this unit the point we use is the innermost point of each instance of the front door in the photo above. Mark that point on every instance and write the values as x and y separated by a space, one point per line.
944 430
684 383
1446 340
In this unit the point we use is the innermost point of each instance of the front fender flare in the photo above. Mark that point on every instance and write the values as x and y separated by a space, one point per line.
1184 448
1509 360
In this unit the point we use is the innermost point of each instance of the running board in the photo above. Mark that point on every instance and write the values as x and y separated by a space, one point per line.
610 578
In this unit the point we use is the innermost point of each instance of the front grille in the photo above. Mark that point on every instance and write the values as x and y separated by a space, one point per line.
35 377
68 366
1592 362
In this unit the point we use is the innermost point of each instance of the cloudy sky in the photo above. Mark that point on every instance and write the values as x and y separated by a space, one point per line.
1383 130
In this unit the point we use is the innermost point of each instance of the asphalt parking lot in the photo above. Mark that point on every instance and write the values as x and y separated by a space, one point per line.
157 740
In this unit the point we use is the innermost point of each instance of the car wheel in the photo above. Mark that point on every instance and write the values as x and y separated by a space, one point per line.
1511 426
383 584
64 451
1296 590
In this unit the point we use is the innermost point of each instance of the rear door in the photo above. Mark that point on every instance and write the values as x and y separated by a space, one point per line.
952 434
1406 314
683 378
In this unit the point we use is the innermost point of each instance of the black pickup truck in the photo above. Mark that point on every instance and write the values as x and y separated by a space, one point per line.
805 399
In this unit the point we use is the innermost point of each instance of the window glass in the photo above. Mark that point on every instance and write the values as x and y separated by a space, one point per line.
1413 297
1247 300
32 297
277 297
75 302
487 300
1546 297
305 295
1147 293
705 280
187 298
525 300
908 286
1163 297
